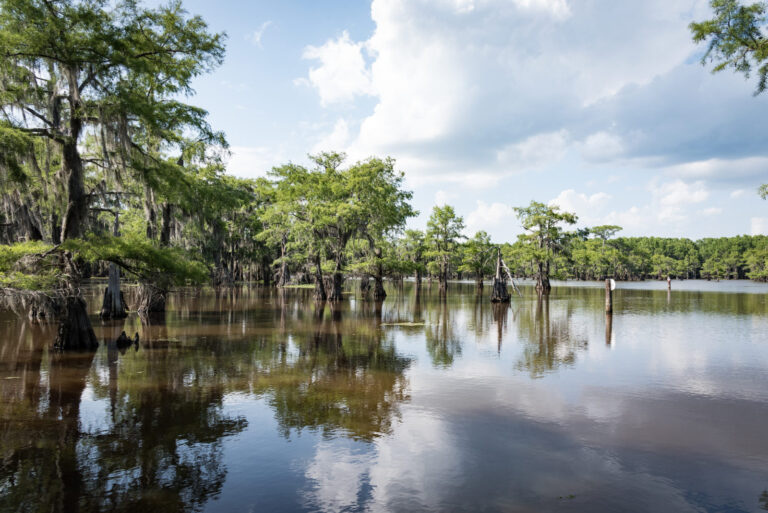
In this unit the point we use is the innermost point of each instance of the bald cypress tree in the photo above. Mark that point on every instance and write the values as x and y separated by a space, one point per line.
105 78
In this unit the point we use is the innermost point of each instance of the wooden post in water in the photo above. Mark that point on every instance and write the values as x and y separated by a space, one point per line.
608 328
608 297
669 283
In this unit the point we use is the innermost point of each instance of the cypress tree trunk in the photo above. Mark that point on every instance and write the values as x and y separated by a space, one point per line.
75 331
542 280
417 278
320 294
113 306
365 287
150 300
336 287
379 294
443 280
283 281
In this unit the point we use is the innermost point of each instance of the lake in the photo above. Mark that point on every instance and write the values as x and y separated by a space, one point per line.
249 399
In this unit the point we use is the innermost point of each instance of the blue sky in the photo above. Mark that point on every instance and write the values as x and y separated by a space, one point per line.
601 107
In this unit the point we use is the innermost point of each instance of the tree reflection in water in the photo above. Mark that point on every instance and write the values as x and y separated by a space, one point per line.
343 376
549 340
160 448
443 342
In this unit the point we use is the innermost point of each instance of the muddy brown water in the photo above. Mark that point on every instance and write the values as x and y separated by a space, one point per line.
253 400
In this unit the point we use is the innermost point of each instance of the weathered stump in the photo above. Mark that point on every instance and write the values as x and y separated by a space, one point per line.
75 330
111 309
499 294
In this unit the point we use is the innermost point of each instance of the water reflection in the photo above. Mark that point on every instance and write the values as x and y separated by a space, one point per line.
550 338
262 399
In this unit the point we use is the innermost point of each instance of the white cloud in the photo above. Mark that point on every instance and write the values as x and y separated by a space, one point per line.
602 146
342 72
717 168
337 140
534 151
252 161
738 193
257 34
711 211
557 8
759 226
442 197
489 216
678 192
582 204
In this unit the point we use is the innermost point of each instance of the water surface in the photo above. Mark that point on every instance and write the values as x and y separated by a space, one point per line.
254 400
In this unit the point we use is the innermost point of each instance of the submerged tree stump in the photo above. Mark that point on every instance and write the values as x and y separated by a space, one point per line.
499 294
111 309
75 331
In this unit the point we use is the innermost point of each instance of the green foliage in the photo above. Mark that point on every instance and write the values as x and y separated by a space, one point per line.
141 258
23 267
442 240
544 239
736 38
478 255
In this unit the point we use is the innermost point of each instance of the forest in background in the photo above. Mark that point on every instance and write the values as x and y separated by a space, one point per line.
106 171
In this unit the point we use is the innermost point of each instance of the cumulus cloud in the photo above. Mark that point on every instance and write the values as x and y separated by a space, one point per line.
468 93
571 201
342 73
534 151
489 216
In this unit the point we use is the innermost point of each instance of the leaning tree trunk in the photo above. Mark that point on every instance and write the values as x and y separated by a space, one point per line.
75 330
499 294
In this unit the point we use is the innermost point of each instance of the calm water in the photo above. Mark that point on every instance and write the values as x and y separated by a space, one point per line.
248 400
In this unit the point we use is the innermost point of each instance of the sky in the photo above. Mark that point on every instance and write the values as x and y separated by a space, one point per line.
600 107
